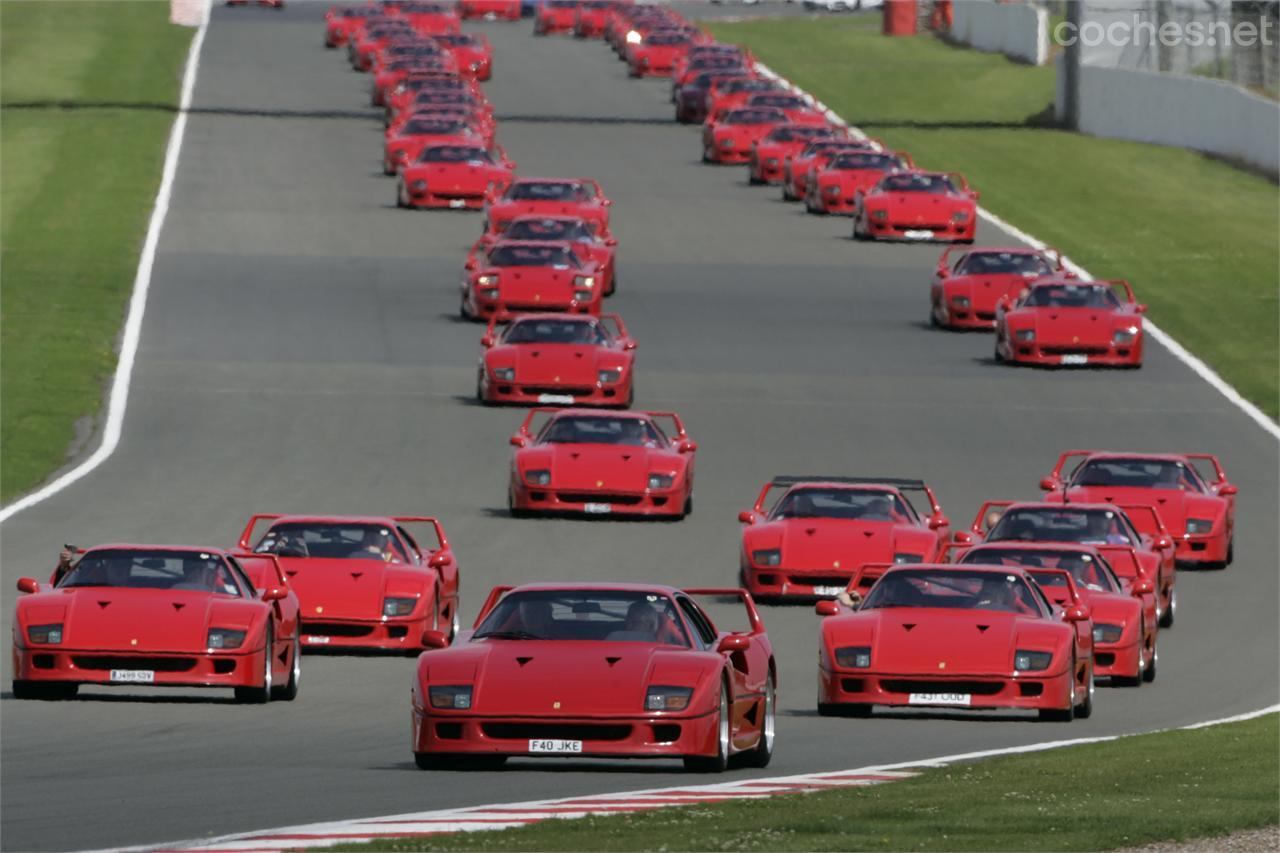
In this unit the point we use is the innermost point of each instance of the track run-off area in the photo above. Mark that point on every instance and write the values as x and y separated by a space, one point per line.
301 352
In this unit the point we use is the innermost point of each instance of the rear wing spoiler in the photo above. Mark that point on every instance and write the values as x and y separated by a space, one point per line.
246 557
1072 597
426 519
1218 470
552 410
246 537
753 615
1148 513
983 511
1110 552
866 576
495 595
899 483
1056 474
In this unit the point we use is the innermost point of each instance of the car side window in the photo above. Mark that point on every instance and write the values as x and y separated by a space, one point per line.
1045 607
411 542
238 573
703 632
1129 530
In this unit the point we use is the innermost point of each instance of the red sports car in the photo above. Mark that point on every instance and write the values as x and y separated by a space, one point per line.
1123 615
1064 322
821 530
554 16
797 108
428 19
590 241
585 461
471 51
526 276
364 44
707 56
727 136
401 100
770 152
657 55
418 134
1200 514
589 18
799 169
834 184
508 10
580 197
156 615
969 284
598 670
340 22
732 94
1096 524
691 96
955 637
554 359
364 582
917 205
455 176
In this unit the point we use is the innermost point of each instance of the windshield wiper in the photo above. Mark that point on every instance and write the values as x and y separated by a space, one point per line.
508 635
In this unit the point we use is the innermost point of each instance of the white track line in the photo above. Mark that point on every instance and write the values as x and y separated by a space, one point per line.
119 398
1204 371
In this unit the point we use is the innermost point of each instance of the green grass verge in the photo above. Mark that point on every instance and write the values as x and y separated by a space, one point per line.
1196 237
88 92
1173 785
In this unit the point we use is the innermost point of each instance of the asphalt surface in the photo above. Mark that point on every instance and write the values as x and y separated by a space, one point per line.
301 354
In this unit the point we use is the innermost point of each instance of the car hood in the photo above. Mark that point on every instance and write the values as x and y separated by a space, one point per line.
984 291
828 542
533 283
454 175
142 620
573 364
349 589
600 466
919 204
1066 326
935 642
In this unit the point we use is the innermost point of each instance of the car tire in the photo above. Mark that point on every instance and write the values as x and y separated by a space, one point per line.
1067 714
512 509
1231 552
1084 710
289 691
1170 612
47 691
718 762
1149 674
763 751
613 282
261 694
1136 679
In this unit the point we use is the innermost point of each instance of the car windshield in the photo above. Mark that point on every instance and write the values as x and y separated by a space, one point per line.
748 85
914 182
858 160
590 615
194 571
470 155
548 229
1072 296
1084 568
567 331
790 134
1045 524
435 127
456 40
955 589
556 257
823 146
852 504
754 116
780 100
999 263
546 191
602 429
333 541
668 38
434 84
1138 474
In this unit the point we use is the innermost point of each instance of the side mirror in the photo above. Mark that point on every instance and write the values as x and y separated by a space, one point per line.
687 446
734 643
435 640
611 241
1070 275
607 202
940 272
962 537
1142 587
511 164
487 341
275 593
1078 613
518 441
1226 490
1004 303
438 560
630 345
1048 484
470 264
974 194
1163 543
1140 308
747 517
28 585
938 522
827 607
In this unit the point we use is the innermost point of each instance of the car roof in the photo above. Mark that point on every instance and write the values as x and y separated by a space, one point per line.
595 585
601 413
852 487
385 520
1059 507
964 567
133 546
1116 454
1019 545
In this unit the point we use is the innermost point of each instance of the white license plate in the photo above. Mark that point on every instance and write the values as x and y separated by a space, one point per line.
457 202
1075 359
556 399
134 676
938 699
598 509
918 235
555 746
828 590
311 638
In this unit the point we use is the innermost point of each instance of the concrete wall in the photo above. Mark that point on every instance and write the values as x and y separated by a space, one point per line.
1186 112
1017 30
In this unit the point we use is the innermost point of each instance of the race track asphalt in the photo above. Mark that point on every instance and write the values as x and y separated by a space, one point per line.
301 352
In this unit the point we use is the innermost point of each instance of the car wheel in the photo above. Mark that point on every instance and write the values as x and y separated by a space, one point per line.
261 694
1149 674
1067 714
514 510
1231 552
688 505
787 195
49 691
997 357
1084 710
763 752
718 762
1166 618
290 691
613 283
1137 678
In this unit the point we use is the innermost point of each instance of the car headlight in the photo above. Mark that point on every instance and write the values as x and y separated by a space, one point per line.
854 657
398 606
834 189
771 161
584 281
538 477
419 185
662 697
1107 633
1197 526
880 214
489 292
455 696
767 557
960 216
1028 661
661 481
1025 335
634 37
727 142
225 638
486 280
506 374
961 301
609 376
1125 336
908 558
45 633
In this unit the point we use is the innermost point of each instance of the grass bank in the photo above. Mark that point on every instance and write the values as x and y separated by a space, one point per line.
1173 785
88 92
1197 238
